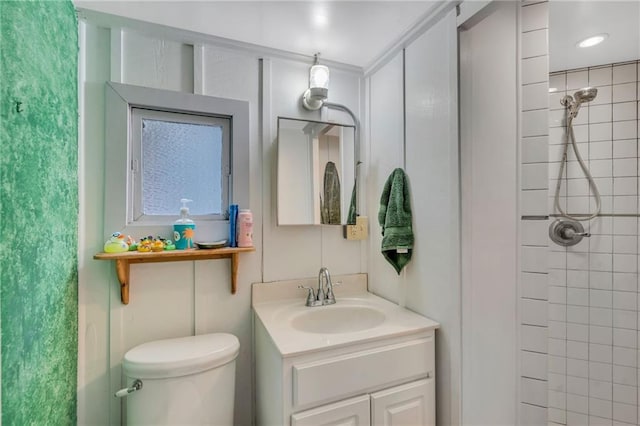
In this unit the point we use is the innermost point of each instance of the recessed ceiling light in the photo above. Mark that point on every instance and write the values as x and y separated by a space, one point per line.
593 40
553 89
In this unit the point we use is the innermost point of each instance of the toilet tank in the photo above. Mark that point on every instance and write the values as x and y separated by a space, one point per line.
186 381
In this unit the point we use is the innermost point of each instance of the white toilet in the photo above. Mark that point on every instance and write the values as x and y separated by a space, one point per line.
185 381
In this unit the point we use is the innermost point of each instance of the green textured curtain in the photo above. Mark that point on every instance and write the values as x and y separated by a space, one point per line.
39 211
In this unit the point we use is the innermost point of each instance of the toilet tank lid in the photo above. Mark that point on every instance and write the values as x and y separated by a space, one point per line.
181 356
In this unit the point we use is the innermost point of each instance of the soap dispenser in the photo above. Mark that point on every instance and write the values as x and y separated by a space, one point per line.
184 228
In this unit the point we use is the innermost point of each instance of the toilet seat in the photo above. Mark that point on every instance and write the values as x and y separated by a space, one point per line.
180 356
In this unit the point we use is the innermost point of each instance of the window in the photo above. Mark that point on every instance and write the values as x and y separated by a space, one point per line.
162 146
176 156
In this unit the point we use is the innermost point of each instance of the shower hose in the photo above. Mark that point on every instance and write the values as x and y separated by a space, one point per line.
571 137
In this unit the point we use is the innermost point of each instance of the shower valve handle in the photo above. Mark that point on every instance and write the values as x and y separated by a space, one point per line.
570 233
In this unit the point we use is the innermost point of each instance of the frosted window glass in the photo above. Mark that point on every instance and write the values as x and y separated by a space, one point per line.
181 160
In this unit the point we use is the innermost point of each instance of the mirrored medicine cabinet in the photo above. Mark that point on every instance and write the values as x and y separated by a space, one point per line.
315 172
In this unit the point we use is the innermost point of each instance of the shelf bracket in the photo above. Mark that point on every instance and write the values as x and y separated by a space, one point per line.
122 269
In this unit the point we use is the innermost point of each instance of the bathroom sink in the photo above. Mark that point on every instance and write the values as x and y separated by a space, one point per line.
338 319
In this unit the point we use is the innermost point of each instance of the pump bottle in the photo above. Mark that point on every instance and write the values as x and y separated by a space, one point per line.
184 228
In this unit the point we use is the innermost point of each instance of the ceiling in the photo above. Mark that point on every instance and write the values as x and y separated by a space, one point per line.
351 32
573 21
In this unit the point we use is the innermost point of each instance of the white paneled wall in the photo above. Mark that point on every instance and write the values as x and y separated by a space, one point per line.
593 286
431 285
187 298
533 316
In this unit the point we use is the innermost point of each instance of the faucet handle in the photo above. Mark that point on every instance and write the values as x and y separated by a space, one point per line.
311 298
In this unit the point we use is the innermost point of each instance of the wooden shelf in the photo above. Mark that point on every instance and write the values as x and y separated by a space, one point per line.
123 260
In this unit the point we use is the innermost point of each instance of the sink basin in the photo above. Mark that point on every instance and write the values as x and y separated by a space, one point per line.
338 319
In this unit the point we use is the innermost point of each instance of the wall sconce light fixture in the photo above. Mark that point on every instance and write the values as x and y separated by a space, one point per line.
318 91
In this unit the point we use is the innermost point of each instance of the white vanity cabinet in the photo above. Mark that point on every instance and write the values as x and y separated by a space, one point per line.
361 361
384 382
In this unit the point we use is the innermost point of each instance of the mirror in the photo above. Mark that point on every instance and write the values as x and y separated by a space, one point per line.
316 172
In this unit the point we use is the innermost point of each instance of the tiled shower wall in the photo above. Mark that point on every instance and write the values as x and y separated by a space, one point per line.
593 287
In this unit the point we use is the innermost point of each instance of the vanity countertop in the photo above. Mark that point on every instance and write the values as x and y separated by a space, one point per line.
357 316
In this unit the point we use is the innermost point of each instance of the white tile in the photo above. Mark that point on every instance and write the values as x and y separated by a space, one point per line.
534 202
557 118
577 80
624 73
600 371
625 338
534 232
625 263
557 347
534 286
625 204
533 312
600 168
533 391
554 364
535 70
601 280
600 335
558 277
626 357
625 281
625 412
625 394
557 312
558 81
601 298
625 130
625 111
534 259
625 301
601 262
577 350
623 167
600 132
578 279
578 403
600 353
577 332
578 296
600 150
534 338
625 375
578 260
557 400
605 185
600 113
534 43
535 17
624 92
625 226
581 132
535 149
625 186
578 368
535 123
626 244
535 96
600 76
601 316
599 408
577 386
578 314
625 319
577 419
625 149
601 390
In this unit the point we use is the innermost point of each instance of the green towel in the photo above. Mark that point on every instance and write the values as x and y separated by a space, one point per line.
395 219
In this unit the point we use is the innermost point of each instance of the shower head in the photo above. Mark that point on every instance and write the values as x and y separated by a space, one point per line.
585 95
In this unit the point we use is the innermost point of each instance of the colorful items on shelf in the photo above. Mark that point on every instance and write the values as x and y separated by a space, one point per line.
120 243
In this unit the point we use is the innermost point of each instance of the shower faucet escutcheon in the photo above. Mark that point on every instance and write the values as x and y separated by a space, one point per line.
567 232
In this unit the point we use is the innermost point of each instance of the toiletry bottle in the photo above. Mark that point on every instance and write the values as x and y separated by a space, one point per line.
184 228
245 228
233 217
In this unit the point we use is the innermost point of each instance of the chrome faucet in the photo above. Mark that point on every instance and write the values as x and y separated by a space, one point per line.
324 294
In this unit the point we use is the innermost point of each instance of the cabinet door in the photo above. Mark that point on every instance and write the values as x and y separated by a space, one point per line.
405 405
350 412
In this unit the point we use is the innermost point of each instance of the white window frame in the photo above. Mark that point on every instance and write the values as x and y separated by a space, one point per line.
135 213
120 100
